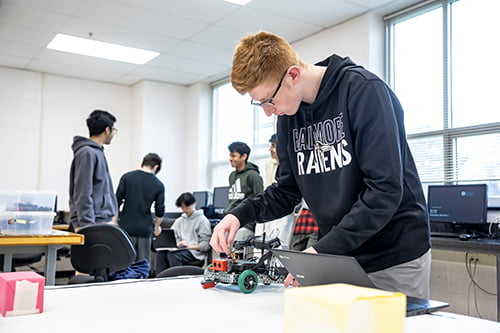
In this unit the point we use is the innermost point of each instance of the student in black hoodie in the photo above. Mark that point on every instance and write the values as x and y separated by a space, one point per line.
342 146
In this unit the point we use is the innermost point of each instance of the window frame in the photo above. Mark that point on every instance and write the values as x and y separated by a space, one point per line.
449 134
259 146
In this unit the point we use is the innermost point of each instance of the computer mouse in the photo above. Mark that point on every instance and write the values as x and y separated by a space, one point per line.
465 237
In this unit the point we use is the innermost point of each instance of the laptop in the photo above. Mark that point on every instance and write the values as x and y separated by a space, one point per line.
311 269
166 241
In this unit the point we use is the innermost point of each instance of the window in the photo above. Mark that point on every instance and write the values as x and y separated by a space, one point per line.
235 119
443 67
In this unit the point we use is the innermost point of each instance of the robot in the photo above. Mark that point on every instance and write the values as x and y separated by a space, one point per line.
245 270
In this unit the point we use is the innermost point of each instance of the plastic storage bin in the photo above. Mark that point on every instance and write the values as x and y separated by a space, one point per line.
27 201
26 223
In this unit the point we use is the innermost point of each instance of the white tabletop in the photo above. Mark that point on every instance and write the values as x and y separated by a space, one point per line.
181 303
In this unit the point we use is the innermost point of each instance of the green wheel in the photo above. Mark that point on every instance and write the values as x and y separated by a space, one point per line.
248 281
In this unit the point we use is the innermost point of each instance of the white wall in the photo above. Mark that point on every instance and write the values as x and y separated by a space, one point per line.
20 122
361 39
40 114
163 132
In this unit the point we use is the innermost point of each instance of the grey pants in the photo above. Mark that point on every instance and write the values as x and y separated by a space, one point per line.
142 246
411 278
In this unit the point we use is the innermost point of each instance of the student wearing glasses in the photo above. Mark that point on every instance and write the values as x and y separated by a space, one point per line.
91 196
342 146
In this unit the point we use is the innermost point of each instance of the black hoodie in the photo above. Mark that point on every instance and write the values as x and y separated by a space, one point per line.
347 155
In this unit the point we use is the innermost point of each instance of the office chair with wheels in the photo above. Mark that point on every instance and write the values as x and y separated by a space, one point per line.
106 249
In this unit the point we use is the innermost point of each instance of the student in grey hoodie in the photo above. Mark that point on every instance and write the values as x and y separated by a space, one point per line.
91 195
192 231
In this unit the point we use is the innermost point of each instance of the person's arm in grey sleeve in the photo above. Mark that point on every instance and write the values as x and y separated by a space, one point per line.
204 233
83 188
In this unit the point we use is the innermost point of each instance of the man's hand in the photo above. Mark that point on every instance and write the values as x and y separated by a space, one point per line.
290 280
224 233
157 230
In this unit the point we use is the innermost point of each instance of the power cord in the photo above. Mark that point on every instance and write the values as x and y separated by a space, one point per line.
471 266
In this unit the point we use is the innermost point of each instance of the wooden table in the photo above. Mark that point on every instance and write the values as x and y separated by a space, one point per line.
48 244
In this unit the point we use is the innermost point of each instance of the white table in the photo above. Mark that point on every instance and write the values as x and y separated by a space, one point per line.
162 305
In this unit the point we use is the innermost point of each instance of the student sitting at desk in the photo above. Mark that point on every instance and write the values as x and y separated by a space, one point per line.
192 231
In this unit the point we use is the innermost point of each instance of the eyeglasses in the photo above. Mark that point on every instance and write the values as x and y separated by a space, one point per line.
114 129
269 101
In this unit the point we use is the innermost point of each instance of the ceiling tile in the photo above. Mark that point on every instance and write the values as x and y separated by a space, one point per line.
13 61
325 13
187 65
167 75
219 36
203 52
208 11
73 71
30 17
105 32
18 49
57 6
252 20
139 19
31 36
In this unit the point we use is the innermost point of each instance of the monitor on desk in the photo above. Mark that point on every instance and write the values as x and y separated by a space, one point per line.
220 198
202 199
458 204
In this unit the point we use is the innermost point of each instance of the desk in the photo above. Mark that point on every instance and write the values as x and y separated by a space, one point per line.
180 304
486 246
48 244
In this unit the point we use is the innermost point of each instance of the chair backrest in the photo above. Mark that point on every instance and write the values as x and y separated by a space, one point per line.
106 249
180 270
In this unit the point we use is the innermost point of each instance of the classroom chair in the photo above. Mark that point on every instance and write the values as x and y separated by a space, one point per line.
106 249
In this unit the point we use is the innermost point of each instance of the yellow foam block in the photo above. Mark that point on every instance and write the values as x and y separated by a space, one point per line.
343 308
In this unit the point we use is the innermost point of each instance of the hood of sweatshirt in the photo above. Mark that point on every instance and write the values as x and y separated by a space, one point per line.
248 167
80 141
195 215
336 67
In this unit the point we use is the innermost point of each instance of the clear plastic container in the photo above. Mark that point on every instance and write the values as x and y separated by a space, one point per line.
5 219
27 201
26 223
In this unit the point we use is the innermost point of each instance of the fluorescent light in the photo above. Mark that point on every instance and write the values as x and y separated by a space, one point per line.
239 2
94 48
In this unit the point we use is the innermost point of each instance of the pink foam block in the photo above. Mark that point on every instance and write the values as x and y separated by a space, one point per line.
21 293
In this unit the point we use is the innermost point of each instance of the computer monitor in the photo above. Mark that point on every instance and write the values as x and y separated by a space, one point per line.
221 199
202 198
461 204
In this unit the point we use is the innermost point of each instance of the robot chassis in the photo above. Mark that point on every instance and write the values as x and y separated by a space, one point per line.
245 270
